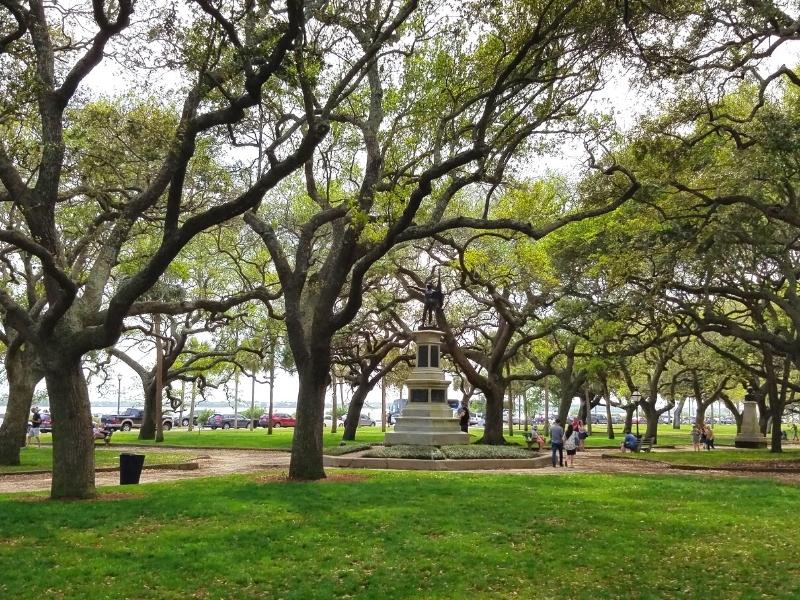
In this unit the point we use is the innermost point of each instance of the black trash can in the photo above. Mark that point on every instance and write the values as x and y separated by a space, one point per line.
130 468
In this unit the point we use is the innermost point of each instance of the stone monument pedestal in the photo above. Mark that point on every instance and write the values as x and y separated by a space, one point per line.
750 436
427 419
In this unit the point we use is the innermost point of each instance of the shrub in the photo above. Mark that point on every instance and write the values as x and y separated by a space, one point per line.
346 449
480 451
423 452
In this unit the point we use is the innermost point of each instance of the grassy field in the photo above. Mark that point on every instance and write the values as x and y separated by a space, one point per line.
404 535
36 459
281 439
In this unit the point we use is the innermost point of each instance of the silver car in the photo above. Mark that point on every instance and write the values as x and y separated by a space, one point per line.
362 420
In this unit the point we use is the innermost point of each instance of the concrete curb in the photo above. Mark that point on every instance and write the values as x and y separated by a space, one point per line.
415 464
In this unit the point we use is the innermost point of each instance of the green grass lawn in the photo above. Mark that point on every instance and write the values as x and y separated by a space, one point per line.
41 459
281 439
404 535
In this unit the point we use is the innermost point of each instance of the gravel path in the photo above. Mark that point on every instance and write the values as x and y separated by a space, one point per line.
223 462
210 462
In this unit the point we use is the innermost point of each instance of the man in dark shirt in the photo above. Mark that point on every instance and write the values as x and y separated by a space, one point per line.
557 442
463 416
36 423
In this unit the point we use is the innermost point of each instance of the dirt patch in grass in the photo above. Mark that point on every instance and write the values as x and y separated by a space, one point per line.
331 478
789 466
110 497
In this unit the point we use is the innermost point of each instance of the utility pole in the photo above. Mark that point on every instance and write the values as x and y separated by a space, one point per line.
383 404
119 390
546 408
588 412
159 378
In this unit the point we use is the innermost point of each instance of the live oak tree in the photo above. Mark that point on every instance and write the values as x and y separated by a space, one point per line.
230 61
372 345
498 302
437 122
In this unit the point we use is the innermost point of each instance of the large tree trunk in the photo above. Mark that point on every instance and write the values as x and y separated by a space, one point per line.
494 393
629 410
306 461
22 376
652 425
148 428
676 415
737 414
354 411
73 443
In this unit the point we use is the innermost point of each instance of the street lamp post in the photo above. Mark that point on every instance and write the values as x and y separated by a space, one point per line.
635 398
119 390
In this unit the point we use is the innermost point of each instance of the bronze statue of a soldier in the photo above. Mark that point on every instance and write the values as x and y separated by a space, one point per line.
433 300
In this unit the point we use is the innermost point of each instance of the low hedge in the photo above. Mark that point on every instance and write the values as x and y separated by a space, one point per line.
346 449
451 452
422 452
481 451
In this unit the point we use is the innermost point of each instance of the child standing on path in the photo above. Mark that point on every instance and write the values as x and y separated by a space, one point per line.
582 435
695 438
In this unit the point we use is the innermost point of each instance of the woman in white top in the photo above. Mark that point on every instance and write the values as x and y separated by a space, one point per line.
571 441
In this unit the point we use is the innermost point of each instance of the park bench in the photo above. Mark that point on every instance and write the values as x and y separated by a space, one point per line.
644 445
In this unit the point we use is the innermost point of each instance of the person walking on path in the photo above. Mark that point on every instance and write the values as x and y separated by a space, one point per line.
708 433
795 438
582 435
33 432
571 442
695 438
463 416
557 442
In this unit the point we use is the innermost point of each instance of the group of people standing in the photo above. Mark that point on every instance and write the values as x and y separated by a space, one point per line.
702 435
571 439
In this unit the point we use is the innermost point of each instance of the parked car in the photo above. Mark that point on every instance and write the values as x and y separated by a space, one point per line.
47 423
183 421
362 420
227 421
278 420
477 420
130 419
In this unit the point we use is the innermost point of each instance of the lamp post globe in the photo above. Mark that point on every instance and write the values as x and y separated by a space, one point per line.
119 391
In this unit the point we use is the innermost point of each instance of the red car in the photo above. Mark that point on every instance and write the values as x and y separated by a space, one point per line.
278 420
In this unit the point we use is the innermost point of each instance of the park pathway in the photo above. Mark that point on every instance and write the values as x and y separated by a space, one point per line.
223 462
210 463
